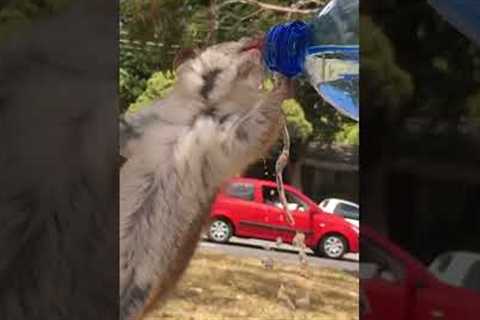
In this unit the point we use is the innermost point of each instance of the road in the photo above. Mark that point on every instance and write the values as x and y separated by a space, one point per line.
285 253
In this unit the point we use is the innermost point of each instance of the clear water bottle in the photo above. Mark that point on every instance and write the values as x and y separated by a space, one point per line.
325 50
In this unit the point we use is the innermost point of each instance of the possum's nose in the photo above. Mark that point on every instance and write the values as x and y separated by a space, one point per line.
254 44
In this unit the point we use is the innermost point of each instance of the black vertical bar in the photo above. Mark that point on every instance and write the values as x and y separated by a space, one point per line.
58 180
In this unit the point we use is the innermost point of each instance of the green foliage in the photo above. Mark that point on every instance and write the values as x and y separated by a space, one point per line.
157 87
310 118
473 107
268 84
388 85
348 135
136 67
148 30
298 126
151 32
326 121
442 89
131 86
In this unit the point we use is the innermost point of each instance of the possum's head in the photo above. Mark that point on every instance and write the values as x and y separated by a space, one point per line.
224 73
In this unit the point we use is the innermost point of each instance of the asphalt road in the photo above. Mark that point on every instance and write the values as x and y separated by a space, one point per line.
282 254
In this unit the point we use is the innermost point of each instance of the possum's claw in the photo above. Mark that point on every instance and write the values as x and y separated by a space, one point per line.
284 87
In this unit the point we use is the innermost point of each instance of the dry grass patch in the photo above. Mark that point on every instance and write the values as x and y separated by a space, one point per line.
220 287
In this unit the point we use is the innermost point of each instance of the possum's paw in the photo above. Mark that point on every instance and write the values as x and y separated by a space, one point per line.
283 88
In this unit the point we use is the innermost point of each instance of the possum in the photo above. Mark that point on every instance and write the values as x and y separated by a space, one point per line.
215 122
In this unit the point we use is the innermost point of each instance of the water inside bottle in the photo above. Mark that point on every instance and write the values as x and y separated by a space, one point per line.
334 72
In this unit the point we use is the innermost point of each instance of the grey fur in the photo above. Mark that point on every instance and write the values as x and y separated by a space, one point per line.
211 127
58 175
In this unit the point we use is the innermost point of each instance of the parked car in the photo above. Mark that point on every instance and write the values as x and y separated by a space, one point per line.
347 209
458 268
251 208
396 286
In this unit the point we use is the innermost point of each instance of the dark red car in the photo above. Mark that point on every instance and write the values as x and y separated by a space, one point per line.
251 208
396 286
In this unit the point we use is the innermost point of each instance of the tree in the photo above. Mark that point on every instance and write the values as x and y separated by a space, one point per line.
151 31
440 93
349 134
157 87
300 131
473 107
385 91
387 85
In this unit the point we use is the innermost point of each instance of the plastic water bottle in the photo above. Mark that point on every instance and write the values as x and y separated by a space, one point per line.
325 50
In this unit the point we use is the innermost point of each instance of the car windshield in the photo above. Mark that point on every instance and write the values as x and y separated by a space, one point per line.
347 211
472 278
385 265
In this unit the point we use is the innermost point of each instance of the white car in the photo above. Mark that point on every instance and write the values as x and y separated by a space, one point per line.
348 210
458 268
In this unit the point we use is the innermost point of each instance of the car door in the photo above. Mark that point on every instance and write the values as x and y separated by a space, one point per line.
242 206
444 301
384 283
301 215
269 204
256 222
300 212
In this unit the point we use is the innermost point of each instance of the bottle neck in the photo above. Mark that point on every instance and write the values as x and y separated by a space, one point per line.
286 46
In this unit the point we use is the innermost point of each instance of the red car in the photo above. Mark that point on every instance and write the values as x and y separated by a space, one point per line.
395 286
251 208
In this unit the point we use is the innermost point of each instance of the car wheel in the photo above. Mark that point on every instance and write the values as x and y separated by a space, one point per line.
220 231
333 246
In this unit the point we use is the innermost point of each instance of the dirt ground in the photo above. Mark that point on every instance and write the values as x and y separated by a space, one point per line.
219 287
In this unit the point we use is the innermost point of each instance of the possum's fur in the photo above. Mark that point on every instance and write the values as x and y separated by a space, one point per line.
58 134
215 122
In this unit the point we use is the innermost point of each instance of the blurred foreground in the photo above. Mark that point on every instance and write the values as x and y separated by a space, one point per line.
217 287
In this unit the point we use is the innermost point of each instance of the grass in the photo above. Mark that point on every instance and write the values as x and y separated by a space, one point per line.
220 287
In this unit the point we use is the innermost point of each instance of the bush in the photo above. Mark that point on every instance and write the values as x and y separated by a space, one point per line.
157 87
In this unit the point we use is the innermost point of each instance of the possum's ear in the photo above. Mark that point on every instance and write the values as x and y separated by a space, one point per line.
184 55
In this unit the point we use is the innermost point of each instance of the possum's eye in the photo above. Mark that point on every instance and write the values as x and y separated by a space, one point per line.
209 79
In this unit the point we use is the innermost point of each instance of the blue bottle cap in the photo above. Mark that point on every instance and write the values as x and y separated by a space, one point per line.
285 47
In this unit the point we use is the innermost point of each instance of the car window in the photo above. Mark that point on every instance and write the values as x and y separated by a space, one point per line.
271 197
347 211
472 278
293 199
242 191
444 262
388 267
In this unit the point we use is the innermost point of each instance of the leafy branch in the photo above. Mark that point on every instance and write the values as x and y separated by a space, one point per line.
295 8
